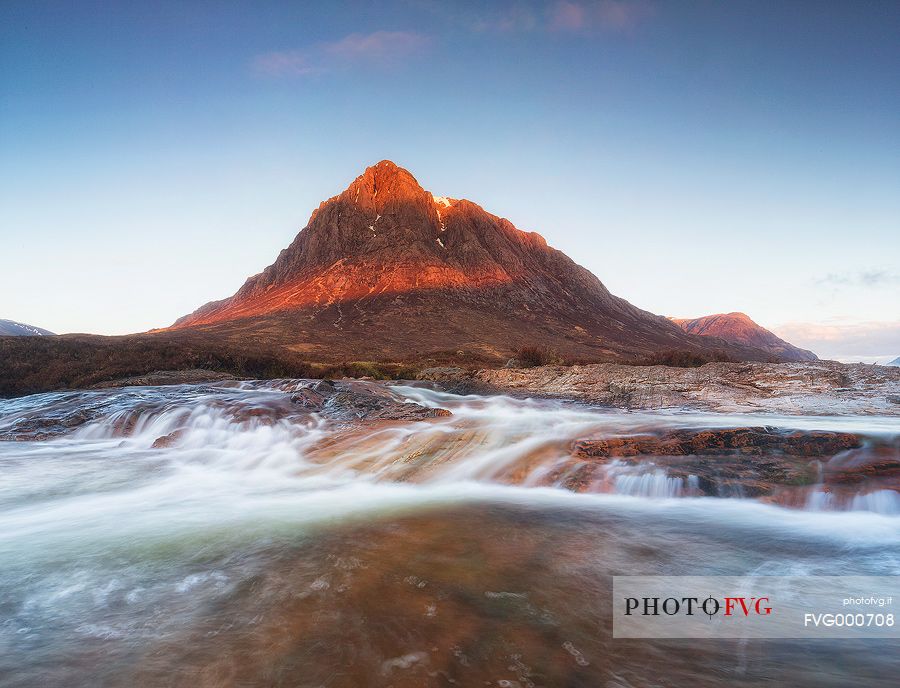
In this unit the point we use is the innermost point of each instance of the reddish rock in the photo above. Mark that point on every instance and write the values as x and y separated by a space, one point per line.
308 398
738 328
747 462
355 401
879 461
167 440
724 442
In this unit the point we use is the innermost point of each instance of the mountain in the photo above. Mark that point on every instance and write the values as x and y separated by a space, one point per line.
11 328
738 328
388 271
895 362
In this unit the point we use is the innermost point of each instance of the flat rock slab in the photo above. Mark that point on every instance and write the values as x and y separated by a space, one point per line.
722 442
818 388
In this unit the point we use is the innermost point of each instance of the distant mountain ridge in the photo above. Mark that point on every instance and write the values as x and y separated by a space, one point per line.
387 271
738 328
11 328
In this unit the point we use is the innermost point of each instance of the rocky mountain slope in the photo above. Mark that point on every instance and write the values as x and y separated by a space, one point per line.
388 271
738 328
11 328
386 279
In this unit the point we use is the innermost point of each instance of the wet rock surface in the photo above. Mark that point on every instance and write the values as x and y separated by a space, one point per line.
478 595
287 400
373 403
722 442
167 377
742 462
349 400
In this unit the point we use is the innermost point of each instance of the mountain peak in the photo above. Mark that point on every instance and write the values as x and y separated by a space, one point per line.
387 269
387 172
384 185
11 328
739 328
387 167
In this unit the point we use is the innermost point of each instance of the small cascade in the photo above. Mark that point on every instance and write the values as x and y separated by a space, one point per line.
656 484
885 502
650 481
880 501
693 483
347 432
820 500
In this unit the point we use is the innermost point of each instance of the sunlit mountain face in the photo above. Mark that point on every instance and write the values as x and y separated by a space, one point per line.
389 269
738 328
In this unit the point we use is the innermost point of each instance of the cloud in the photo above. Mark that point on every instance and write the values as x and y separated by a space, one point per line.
558 16
845 338
520 16
864 278
604 15
286 63
515 19
568 16
380 47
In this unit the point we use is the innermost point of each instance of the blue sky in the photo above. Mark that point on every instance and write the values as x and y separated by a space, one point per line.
699 157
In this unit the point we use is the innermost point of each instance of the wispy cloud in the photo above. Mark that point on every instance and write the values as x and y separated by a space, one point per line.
863 278
556 16
284 63
844 338
380 48
594 15
512 19
518 16
381 45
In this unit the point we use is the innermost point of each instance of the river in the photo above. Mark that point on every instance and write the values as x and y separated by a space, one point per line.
257 545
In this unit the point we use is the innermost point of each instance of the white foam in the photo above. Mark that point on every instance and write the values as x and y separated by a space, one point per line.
228 473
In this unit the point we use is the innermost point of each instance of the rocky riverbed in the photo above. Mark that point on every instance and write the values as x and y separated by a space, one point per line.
815 388
349 532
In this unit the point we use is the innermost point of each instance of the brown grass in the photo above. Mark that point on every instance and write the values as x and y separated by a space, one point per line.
38 364
679 358
534 356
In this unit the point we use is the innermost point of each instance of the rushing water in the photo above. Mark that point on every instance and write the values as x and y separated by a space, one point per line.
260 545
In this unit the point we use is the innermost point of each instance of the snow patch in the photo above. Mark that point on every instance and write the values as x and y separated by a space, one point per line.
440 243
441 202
30 329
